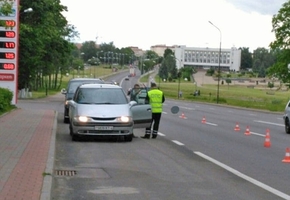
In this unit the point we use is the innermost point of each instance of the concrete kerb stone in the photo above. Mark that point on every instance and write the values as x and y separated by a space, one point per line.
48 176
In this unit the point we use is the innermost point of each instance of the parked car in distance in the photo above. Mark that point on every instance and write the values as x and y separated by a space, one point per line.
70 90
286 118
104 110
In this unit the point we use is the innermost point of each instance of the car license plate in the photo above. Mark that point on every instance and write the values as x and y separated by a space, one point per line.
104 128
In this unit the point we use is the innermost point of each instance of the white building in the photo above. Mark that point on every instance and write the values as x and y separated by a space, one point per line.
208 58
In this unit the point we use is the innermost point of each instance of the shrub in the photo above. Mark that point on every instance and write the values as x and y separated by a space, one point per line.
5 99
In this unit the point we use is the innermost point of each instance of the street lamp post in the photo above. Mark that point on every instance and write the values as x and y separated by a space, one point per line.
178 75
219 67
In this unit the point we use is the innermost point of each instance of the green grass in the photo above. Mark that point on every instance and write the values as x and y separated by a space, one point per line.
100 71
232 95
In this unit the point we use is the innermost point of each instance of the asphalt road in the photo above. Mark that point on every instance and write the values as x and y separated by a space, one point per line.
188 160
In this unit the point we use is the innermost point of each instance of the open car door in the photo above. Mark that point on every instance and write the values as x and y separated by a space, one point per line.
142 112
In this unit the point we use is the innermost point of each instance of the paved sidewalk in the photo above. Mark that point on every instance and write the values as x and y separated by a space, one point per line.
27 141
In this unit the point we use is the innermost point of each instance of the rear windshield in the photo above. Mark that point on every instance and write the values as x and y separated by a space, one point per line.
75 84
101 96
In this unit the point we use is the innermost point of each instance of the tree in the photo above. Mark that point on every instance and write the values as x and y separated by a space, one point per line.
262 60
280 47
44 50
88 50
228 81
246 58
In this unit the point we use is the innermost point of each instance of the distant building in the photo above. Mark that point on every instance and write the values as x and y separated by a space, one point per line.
207 58
160 49
137 51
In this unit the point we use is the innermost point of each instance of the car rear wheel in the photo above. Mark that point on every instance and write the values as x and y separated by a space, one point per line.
287 126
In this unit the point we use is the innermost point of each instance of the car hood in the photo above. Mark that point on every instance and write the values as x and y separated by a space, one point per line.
104 110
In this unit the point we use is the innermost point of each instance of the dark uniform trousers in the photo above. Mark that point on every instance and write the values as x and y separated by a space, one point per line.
155 122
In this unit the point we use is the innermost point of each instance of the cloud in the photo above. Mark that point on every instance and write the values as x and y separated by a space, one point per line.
243 23
264 7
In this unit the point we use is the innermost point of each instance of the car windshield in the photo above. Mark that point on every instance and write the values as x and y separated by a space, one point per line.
101 96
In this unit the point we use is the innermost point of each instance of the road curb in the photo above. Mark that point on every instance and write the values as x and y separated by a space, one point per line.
48 177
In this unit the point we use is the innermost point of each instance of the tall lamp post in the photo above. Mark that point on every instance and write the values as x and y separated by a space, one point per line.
219 67
179 75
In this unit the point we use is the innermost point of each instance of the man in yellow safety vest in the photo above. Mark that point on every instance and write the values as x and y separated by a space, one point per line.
156 99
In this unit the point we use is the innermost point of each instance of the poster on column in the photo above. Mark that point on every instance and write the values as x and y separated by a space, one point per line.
9 50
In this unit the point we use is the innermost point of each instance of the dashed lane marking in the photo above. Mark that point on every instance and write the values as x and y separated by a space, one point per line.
212 124
271 123
258 134
161 134
245 177
177 142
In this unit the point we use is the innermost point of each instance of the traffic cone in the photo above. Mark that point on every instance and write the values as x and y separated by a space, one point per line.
237 127
287 156
182 116
267 142
203 120
247 132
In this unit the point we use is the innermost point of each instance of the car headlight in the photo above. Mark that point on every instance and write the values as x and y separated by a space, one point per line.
124 119
83 119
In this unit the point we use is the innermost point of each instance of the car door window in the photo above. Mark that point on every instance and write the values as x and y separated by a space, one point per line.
141 97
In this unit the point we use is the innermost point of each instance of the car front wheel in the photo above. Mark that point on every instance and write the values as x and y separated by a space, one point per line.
128 138
287 126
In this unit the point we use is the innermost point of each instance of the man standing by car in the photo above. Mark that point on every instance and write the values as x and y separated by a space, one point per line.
156 99
134 93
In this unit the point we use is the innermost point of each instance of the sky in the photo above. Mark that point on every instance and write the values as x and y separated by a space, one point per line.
146 23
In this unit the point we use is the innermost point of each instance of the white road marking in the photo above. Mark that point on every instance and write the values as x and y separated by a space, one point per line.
164 112
161 134
187 108
253 114
263 122
177 142
258 134
245 177
212 124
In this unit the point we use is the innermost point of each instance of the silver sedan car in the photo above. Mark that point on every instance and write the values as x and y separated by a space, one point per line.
104 110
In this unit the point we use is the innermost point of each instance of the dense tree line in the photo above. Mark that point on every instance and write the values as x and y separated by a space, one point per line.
44 44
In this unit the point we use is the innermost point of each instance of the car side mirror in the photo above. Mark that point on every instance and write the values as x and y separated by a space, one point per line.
70 102
132 103
63 91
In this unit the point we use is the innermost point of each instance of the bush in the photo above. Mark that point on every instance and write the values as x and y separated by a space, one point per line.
5 99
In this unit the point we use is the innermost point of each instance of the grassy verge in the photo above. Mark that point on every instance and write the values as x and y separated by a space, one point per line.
233 95
101 71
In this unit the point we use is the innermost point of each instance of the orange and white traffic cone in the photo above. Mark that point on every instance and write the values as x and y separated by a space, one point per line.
182 116
237 127
267 142
247 132
203 120
287 156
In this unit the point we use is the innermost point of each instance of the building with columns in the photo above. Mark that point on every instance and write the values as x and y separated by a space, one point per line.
207 58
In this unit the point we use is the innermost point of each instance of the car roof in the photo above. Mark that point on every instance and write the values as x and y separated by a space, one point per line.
99 85
85 79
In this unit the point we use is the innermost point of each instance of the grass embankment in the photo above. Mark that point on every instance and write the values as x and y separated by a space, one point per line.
100 71
233 95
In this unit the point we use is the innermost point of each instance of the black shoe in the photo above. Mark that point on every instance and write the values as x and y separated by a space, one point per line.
146 136
154 136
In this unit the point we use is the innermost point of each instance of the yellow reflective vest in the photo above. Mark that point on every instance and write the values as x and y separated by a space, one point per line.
156 100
